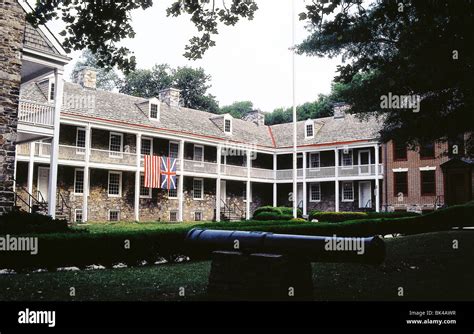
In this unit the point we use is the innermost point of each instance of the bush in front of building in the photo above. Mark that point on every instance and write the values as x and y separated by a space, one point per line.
335 217
274 213
16 222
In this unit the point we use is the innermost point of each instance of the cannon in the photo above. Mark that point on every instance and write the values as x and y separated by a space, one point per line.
267 266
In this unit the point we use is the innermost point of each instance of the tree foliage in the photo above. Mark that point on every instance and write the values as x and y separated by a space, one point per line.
404 48
193 83
100 25
107 79
238 109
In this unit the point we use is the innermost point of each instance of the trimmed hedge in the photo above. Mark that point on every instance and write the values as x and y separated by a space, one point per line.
274 213
332 217
106 248
16 222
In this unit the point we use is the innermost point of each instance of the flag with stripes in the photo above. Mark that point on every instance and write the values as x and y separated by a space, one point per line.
168 173
152 171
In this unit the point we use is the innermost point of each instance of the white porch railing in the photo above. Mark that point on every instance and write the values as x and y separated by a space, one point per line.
194 166
35 113
74 153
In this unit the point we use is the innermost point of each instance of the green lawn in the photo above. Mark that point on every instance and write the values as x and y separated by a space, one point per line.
425 265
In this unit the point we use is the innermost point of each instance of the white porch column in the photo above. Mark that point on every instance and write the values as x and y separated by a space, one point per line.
247 203
377 192
85 190
53 168
275 162
218 184
181 181
137 177
31 170
305 200
336 179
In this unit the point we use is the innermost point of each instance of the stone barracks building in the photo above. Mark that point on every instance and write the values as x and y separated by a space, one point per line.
74 151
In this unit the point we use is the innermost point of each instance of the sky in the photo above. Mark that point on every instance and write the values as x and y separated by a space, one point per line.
251 61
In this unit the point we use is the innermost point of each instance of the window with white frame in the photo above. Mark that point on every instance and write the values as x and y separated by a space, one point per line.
78 215
198 153
115 144
198 188
315 192
347 191
80 141
347 158
78 181
51 90
227 125
115 184
173 216
145 192
154 111
173 193
173 149
146 146
309 129
314 160
198 216
114 215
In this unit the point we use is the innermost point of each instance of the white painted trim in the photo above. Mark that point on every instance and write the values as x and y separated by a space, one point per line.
314 168
311 191
118 215
351 152
149 189
426 168
81 151
139 149
308 122
342 186
228 118
120 184
83 182
202 189
194 152
370 193
398 170
38 179
75 215
116 154
360 165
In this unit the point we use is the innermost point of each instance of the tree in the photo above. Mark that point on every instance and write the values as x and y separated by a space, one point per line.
322 107
99 25
193 83
238 109
401 50
107 79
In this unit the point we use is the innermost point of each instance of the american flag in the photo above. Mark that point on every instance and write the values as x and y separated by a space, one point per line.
152 171
168 173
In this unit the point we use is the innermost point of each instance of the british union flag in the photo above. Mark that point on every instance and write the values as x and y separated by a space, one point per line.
168 173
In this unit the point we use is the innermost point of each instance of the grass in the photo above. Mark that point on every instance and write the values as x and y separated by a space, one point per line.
425 265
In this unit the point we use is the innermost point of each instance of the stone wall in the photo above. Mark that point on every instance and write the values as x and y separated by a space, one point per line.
12 26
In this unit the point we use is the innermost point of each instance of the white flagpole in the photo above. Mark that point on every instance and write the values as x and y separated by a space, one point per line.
295 187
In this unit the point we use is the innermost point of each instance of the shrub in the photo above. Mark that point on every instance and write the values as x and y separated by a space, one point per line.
274 213
298 220
332 217
15 222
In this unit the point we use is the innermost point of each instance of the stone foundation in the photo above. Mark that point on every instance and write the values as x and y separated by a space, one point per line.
12 26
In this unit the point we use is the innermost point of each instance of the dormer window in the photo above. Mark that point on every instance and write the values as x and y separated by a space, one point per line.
309 129
154 109
228 125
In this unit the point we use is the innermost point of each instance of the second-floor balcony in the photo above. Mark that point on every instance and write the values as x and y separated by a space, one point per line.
36 118
73 154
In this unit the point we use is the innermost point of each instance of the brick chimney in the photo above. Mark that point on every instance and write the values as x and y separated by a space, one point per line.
340 109
86 77
170 96
257 116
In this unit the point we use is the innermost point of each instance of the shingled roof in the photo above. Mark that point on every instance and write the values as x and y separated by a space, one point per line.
34 38
126 109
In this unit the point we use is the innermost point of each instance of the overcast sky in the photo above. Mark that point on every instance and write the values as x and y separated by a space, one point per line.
251 61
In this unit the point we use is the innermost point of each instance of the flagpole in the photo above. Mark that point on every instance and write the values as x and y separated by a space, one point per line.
295 186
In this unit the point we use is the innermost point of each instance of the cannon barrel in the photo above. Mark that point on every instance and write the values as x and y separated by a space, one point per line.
313 248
